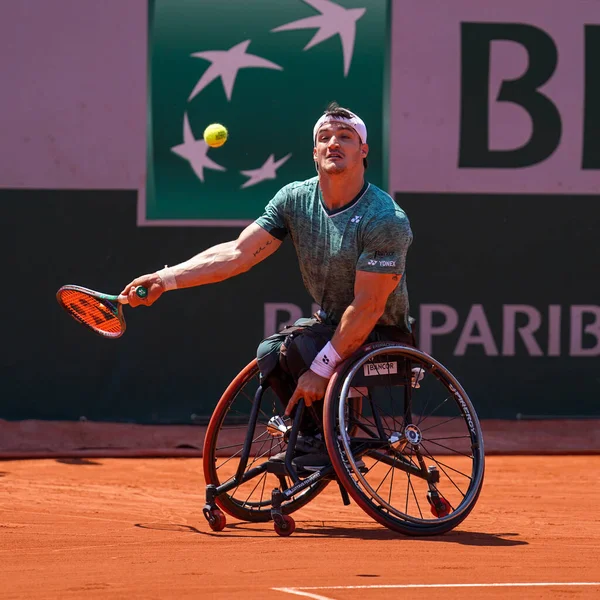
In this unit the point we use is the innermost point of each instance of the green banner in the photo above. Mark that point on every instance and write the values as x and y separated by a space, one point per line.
266 70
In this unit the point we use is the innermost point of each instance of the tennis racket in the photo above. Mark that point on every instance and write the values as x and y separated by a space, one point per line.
102 313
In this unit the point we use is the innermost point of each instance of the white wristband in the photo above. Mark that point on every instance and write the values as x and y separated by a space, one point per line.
326 361
168 278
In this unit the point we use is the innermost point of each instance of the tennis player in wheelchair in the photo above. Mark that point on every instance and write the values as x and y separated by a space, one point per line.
351 239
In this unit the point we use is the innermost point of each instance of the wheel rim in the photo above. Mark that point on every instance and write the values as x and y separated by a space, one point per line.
440 430
224 444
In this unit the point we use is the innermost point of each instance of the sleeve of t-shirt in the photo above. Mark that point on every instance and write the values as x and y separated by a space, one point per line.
273 219
386 239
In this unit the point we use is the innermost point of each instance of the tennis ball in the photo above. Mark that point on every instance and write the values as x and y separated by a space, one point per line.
215 135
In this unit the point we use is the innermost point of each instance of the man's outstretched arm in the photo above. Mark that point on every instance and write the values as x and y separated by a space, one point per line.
210 266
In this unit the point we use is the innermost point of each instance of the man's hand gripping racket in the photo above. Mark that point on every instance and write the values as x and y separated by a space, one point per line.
102 313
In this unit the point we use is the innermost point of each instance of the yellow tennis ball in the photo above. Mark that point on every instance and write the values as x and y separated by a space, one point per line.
215 135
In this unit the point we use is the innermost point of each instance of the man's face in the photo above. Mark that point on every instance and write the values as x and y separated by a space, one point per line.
338 148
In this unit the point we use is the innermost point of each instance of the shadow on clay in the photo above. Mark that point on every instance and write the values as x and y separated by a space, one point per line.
365 531
77 461
471 538
174 527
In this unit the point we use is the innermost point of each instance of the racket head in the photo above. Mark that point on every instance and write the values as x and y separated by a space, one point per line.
102 313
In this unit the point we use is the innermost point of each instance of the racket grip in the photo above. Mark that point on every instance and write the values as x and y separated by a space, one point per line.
140 290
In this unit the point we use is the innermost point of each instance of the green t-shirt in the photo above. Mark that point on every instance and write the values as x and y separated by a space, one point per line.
371 233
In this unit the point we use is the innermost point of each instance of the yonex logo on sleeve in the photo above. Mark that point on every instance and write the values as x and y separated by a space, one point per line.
382 263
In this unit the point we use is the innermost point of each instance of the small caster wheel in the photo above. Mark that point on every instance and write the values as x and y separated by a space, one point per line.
216 520
440 507
284 525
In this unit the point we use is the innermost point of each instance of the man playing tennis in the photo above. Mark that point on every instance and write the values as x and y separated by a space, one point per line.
351 239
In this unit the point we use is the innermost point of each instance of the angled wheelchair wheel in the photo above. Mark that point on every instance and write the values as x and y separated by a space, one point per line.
224 451
411 453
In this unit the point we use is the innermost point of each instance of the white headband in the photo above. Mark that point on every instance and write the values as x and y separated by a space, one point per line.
355 122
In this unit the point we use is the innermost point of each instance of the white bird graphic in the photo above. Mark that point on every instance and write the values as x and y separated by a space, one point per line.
195 151
226 64
333 20
267 171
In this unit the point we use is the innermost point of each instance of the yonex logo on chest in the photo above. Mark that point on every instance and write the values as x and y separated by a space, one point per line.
356 219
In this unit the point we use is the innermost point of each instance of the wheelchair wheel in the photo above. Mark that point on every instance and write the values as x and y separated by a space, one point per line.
223 449
412 455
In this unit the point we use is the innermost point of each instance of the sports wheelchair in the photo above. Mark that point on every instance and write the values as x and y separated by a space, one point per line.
402 436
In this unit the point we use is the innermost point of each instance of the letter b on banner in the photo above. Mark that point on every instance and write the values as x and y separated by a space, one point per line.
476 48
543 57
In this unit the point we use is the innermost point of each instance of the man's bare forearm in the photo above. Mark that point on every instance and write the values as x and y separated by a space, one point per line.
361 316
226 260
212 265
356 324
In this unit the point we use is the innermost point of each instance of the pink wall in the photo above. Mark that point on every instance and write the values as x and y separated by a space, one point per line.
425 96
73 93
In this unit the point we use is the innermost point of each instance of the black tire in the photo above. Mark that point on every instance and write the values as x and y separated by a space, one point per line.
430 424
224 440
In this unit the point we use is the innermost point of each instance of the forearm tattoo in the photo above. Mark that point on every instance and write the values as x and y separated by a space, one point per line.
263 247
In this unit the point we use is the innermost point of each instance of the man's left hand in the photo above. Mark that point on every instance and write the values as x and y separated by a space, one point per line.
311 387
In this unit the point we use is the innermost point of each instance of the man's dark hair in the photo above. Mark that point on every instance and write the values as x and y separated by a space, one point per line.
335 110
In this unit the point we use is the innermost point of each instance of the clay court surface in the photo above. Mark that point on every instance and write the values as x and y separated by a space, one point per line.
133 528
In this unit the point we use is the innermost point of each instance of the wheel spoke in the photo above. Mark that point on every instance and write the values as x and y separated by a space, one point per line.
261 478
230 458
446 499
415 497
392 481
228 447
423 417
390 470
441 423
448 448
441 466
451 437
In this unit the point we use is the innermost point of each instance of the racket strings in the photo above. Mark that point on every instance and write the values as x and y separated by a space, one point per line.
97 314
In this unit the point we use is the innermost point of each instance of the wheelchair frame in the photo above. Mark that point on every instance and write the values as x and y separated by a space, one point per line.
380 444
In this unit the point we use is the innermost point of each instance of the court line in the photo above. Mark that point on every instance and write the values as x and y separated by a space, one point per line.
302 591
297 592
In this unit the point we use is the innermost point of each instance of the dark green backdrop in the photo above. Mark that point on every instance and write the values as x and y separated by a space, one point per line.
177 357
